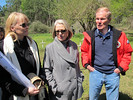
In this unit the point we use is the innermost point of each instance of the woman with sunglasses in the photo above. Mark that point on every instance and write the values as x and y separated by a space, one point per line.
20 49
61 64
7 83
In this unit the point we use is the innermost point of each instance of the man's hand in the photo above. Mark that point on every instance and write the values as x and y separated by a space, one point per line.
33 91
90 68
117 71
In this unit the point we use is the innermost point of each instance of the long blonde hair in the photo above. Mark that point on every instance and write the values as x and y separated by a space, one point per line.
61 21
12 21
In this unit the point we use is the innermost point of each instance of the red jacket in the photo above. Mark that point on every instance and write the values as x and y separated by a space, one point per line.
122 49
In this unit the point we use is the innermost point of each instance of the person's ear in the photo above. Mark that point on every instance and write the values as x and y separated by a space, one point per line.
12 28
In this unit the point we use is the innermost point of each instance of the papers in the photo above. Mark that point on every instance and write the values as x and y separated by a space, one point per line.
17 75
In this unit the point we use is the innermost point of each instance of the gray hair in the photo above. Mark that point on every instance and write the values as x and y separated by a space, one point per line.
106 10
66 25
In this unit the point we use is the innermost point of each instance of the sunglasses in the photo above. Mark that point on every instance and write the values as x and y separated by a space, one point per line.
62 31
24 25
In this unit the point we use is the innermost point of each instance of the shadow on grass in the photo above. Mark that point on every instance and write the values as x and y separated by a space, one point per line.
122 96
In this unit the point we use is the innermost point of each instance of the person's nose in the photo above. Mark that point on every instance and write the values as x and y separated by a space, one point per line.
60 32
99 21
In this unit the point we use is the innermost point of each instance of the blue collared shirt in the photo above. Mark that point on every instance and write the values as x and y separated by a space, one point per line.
103 60
104 36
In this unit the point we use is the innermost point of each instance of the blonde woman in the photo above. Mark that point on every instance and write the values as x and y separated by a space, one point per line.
61 64
8 84
20 49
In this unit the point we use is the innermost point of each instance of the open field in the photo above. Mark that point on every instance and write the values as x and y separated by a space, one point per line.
126 82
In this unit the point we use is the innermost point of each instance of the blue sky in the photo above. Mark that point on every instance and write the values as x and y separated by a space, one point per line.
2 2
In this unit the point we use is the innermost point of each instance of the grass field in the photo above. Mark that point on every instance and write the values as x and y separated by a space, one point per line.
126 82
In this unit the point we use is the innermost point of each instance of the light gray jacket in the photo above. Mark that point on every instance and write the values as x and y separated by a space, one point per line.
62 71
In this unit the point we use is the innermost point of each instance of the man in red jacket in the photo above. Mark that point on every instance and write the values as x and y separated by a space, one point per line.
106 52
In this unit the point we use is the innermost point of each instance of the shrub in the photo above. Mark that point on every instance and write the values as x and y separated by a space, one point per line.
38 27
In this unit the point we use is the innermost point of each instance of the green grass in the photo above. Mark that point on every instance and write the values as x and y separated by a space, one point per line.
126 82
42 40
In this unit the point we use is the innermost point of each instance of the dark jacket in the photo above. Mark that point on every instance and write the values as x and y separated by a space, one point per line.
7 84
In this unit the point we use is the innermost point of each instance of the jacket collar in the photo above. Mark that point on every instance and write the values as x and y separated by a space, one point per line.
62 51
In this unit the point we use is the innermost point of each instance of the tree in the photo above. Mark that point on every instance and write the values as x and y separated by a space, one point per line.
121 9
81 11
38 10
13 5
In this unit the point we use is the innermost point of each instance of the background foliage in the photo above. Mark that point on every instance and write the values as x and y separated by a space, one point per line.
79 13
